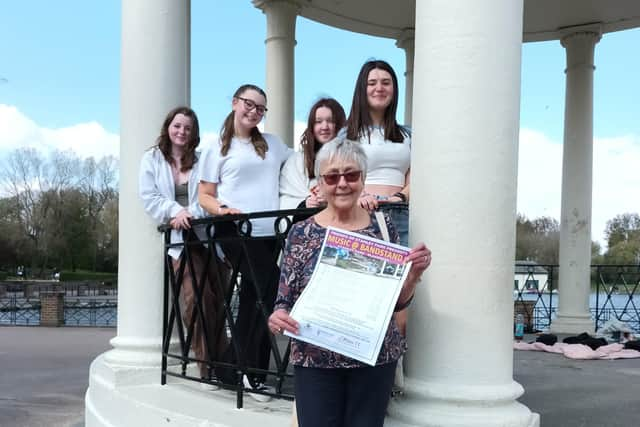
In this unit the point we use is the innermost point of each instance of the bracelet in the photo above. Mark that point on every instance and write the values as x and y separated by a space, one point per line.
220 208
401 196
404 305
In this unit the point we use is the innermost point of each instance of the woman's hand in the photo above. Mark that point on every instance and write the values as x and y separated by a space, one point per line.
280 321
368 201
314 201
420 255
182 220
228 211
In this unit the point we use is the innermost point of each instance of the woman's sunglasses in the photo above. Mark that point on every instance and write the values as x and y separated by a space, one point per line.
334 178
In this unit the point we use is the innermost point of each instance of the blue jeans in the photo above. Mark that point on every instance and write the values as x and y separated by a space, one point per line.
400 218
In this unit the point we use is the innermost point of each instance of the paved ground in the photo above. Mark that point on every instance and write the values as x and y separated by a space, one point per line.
579 393
44 375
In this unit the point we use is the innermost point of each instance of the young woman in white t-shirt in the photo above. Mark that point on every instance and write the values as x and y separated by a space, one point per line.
241 175
298 183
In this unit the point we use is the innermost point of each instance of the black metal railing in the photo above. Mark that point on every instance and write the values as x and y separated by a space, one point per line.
84 304
244 287
536 303
19 311
615 294
29 289
90 312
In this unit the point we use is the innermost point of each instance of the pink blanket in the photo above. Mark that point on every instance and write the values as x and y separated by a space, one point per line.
581 351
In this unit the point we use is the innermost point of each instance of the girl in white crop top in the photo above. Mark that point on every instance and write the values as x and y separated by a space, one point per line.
372 121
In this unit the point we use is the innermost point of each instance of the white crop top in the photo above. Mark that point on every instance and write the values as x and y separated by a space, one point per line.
387 161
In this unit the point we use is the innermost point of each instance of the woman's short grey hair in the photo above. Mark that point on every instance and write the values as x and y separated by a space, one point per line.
343 149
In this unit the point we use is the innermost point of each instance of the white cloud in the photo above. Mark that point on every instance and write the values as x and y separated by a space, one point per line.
85 139
616 180
539 175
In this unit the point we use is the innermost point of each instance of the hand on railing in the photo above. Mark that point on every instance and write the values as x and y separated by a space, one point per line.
182 220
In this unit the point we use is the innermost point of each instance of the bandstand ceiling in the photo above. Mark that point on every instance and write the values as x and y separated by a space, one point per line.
543 19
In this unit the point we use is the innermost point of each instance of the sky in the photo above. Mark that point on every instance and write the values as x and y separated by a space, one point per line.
59 88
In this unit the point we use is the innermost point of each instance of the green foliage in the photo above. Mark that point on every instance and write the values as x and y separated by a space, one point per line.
538 239
625 253
623 237
80 275
623 228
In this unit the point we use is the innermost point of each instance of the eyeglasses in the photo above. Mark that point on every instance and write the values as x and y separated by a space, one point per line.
250 105
334 178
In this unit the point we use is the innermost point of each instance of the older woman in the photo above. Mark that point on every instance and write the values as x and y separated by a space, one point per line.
332 389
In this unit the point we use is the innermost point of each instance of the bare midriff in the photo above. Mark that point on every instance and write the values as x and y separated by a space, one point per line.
382 190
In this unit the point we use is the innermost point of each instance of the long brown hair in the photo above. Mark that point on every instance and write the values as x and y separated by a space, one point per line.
164 143
308 139
227 130
359 121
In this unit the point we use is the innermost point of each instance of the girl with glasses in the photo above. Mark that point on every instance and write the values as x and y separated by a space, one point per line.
241 174
298 182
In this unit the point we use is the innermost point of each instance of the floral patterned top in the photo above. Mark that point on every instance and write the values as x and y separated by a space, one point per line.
299 259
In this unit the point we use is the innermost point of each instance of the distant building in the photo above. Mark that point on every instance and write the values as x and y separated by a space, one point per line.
530 277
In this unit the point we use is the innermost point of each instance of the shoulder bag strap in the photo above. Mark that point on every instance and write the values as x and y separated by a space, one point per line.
382 225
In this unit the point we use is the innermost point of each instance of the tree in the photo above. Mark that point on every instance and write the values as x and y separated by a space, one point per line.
622 228
623 239
10 245
538 239
26 176
98 186
55 211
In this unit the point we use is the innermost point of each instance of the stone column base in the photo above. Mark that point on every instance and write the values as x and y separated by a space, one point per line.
445 405
564 324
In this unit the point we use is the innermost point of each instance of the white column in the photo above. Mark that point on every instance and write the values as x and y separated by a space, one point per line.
280 44
155 71
460 360
406 41
574 284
